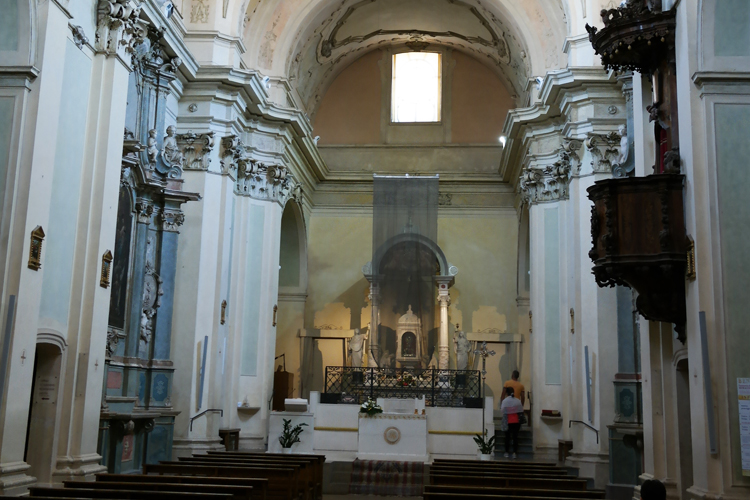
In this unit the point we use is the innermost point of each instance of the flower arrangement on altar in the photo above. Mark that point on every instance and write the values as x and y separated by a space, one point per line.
405 380
370 408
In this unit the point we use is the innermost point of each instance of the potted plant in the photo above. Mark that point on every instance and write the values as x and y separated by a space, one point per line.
290 435
486 446
370 408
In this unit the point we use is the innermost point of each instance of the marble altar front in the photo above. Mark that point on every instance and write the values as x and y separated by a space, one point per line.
393 436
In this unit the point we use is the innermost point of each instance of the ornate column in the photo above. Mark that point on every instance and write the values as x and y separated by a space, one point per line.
374 323
444 299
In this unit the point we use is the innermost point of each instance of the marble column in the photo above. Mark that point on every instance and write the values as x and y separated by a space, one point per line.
444 299
375 321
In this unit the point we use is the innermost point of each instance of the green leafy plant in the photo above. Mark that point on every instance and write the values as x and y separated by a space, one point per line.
370 408
290 435
486 446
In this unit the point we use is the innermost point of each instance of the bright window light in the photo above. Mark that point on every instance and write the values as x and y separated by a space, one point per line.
416 87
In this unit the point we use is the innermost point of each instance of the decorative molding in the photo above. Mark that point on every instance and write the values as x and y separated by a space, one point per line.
196 150
199 11
152 292
79 37
445 199
327 327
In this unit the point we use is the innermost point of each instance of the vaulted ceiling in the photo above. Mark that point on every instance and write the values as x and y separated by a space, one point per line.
309 42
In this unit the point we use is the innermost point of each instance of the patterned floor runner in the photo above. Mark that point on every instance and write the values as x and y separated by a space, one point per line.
375 477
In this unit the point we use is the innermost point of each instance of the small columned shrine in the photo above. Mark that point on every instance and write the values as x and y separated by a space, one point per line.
401 361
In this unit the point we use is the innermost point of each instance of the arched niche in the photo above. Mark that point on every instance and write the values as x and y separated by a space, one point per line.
293 250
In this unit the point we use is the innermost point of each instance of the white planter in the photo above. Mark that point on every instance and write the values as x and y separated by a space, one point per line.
485 458
286 451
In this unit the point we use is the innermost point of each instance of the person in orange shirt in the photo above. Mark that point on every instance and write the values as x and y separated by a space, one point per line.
518 389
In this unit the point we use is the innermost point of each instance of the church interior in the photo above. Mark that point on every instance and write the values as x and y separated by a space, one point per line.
299 249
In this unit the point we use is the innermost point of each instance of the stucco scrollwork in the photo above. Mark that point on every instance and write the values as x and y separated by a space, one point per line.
79 37
266 182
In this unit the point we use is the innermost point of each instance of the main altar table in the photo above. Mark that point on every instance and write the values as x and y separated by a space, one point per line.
393 436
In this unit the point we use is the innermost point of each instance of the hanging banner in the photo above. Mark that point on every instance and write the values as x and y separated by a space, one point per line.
743 395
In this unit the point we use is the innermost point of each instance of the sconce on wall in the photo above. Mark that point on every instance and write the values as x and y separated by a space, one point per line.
35 248
223 311
106 269
275 310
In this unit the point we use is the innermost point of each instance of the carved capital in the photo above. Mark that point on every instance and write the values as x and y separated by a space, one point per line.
171 220
119 29
605 152
144 211
113 338
444 299
549 183
266 182
232 149
196 149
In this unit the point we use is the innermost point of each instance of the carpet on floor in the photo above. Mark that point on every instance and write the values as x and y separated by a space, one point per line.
376 477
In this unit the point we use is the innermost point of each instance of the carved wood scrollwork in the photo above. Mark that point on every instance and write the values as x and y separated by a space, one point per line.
639 249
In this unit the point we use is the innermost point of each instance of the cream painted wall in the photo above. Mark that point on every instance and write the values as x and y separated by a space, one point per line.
351 109
479 102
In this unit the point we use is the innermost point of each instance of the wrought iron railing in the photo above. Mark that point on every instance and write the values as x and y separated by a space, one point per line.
457 388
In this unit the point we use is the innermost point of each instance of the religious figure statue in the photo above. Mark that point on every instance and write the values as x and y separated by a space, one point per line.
623 156
152 150
357 347
170 150
386 359
462 350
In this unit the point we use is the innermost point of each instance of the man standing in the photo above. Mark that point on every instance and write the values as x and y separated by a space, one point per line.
518 388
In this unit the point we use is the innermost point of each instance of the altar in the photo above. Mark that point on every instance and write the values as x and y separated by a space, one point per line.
342 433
393 436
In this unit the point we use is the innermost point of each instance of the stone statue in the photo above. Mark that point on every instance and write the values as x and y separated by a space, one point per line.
623 156
152 150
170 150
357 347
386 359
462 351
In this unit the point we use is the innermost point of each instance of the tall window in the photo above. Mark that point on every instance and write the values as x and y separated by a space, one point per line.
415 94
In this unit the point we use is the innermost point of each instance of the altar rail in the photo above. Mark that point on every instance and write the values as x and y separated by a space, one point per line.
452 388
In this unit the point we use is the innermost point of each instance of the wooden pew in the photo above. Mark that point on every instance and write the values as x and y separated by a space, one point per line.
518 492
540 472
123 494
237 492
308 471
282 481
317 460
514 463
506 481
479 496
259 485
